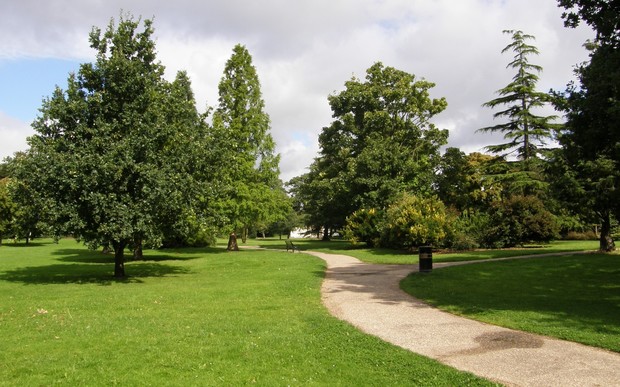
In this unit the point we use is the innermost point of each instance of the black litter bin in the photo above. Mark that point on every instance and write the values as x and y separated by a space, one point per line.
426 259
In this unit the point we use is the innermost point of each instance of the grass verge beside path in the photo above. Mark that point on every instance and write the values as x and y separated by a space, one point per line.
186 317
390 256
575 298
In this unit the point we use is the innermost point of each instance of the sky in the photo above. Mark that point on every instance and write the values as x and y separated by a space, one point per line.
303 51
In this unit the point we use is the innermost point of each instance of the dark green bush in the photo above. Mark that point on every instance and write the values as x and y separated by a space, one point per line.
468 231
519 220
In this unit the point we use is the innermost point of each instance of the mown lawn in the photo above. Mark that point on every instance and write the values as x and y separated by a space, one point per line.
185 317
576 297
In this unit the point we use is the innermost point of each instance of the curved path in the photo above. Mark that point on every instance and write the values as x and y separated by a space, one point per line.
369 297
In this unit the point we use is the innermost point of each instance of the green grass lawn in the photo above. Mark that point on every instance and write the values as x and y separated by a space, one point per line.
576 298
185 317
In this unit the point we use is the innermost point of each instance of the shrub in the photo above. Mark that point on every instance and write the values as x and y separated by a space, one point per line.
581 236
468 231
193 233
413 221
518 220
363 226
462 241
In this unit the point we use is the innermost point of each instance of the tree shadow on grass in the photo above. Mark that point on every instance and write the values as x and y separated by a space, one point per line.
21 244
88 273
81 255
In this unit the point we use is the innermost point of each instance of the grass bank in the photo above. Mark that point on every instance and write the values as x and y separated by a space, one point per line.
576 298
186 317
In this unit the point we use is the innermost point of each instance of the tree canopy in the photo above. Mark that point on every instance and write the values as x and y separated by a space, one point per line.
602 15
524 130
591 139
105 159
381 143
241 127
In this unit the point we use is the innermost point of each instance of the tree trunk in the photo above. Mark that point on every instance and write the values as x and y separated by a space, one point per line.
137 250
326 233
106 249
232 243
244 235
119 258
606 242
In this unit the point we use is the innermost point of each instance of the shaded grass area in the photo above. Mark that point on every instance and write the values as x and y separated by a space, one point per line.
576 298
391 256
186 317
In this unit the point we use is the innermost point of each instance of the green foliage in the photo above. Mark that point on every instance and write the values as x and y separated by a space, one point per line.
469 183
288 223
590 157
7 209
193 231
581 236
4 170
525 131
382 143
364 226
468 231
518 220
113 160
602 15
248 180
413 221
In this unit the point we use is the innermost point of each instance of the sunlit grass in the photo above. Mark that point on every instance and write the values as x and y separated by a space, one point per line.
576 298
185 317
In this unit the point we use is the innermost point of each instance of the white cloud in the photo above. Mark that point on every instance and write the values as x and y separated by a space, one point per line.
305 50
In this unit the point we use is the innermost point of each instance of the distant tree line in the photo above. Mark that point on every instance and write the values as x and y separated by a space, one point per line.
122 158
380 177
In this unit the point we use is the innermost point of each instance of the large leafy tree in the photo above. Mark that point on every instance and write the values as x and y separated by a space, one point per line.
109 159
602 15
381 143
241 131
591 139
467 183
195 226
526 133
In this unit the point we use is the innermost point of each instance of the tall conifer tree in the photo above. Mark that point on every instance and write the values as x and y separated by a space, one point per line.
241 128
524 131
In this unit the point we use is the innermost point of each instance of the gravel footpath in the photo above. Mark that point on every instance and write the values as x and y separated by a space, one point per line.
368 296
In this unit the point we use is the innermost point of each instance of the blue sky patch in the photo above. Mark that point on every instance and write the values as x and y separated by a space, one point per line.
25 82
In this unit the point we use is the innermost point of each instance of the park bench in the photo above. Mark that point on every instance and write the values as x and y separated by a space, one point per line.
290 246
